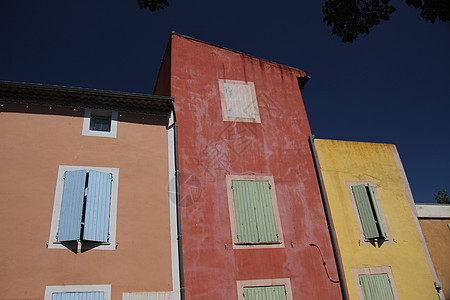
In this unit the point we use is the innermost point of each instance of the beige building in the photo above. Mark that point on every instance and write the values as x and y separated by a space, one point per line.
434 220
85 200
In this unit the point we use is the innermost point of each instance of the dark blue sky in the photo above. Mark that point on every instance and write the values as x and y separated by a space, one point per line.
391 86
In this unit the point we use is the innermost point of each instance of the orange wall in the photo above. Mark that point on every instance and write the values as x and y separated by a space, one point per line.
34 141
437 237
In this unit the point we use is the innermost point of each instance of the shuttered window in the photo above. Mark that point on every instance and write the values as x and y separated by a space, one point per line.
265 293
79 296
255 219
85 206
376 287
368 212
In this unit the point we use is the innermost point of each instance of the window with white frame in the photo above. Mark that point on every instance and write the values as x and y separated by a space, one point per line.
369 214
99 122
85 207
375 283
78 292
238 99
254 216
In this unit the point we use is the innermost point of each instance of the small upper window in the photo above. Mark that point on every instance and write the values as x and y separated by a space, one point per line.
99 122
238 100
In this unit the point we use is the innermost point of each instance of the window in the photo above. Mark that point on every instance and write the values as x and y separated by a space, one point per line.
85 207
369 215
254 216
238 100
78 292
99 122
266 289
375 283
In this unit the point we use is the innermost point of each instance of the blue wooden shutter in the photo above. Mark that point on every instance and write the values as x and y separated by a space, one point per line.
79 296
265 292
255 219
98 202
376 287
72 206
365 212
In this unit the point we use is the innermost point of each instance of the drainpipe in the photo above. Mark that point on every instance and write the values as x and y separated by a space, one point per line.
177 180
337 257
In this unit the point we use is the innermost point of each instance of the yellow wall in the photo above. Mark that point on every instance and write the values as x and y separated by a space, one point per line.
343 161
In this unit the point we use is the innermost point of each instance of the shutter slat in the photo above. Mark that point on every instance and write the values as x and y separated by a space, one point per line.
72 206
98 202
376 287
365 212
79 296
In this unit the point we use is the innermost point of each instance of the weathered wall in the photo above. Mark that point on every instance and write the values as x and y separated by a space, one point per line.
342 161
35 140
210 148
437 236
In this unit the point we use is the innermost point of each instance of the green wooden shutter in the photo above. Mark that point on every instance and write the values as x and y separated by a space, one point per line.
376 287
265 293
255 219
377 214
366 214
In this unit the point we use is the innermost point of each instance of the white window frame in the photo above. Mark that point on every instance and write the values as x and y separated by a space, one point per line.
241 284
373 271
111 245
232 211
224 102
88 112
50 290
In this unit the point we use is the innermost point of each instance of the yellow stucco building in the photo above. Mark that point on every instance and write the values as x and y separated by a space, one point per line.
381 245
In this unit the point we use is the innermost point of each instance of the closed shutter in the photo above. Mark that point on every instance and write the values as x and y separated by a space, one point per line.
96 221
365 212
265 293
72 206
239 100
376 287
255 219
79 296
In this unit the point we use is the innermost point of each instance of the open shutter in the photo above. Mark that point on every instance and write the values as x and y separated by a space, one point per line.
376 287
365 212
72 206
98 202
375 209
79 296
265 292
265 219
243 195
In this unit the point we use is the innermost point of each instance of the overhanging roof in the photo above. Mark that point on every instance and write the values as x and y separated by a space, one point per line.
30 93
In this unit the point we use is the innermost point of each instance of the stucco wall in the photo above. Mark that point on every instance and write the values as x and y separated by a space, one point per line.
35 140
210 148
437 236
341 162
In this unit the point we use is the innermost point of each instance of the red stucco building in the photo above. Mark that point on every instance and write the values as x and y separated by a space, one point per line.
252 217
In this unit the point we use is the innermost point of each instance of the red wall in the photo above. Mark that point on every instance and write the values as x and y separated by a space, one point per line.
210 148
